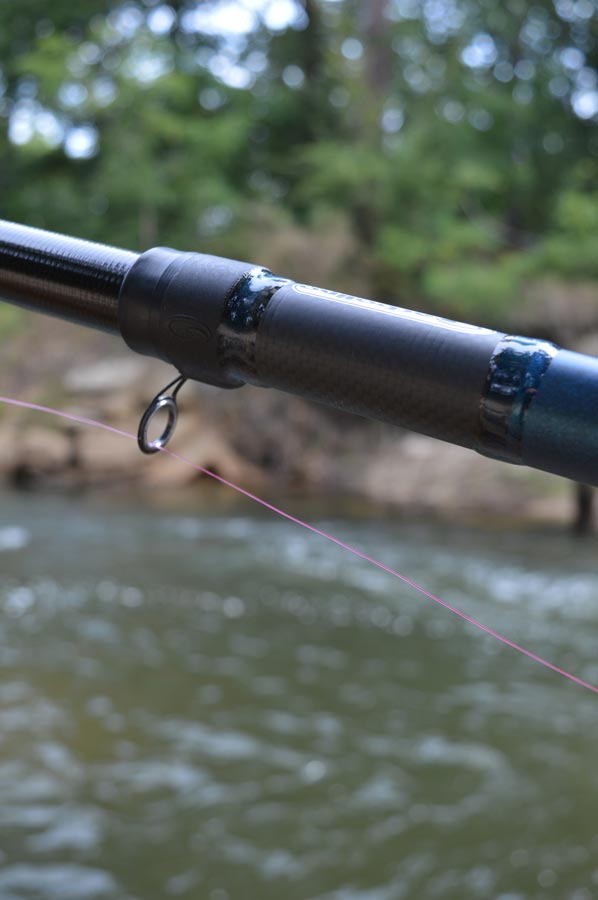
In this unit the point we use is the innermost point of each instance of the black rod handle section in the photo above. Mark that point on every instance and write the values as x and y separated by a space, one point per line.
65 277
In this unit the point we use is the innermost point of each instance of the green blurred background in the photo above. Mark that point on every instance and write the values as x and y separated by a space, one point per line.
435 153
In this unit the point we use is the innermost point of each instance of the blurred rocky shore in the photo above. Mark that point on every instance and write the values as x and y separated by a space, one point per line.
259 438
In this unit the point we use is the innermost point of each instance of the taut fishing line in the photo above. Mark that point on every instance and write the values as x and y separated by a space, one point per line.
323 534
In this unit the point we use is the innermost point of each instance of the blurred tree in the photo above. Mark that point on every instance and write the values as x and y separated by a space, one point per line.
457 141
486 123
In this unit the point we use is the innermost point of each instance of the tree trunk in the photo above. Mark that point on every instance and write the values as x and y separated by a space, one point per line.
379 55
584 515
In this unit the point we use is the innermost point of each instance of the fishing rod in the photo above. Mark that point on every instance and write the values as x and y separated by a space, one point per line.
227 323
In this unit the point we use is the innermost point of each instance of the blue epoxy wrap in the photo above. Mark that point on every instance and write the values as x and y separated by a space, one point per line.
515 372
540 408
241 317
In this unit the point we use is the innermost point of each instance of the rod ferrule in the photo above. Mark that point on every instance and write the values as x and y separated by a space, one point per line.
171 306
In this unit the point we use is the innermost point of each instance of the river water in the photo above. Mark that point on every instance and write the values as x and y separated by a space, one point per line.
198 700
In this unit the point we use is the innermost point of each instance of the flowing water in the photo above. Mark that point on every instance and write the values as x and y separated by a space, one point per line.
202 701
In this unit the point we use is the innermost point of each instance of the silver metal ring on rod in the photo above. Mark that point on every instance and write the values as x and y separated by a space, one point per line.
163 402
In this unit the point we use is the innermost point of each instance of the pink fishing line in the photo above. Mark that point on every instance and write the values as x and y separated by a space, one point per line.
329 537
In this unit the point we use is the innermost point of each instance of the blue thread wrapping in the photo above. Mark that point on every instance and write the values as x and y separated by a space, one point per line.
242 314
516 369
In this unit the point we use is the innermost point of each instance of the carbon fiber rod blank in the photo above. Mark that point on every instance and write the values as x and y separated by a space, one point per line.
63 276
226 323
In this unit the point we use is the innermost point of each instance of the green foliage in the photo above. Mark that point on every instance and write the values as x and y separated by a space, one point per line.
403 251
449 146
492 288
569 256
12 320
577 214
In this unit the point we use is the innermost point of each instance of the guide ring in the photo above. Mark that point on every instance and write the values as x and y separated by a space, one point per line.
162 401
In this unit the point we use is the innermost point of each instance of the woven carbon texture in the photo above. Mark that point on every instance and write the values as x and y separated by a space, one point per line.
419 372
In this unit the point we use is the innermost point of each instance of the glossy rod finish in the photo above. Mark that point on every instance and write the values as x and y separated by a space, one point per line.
63 276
